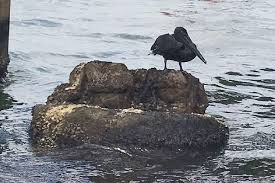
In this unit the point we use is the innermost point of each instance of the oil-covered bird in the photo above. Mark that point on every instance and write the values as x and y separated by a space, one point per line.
177 47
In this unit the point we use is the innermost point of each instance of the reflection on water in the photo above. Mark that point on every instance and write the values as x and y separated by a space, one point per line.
50 37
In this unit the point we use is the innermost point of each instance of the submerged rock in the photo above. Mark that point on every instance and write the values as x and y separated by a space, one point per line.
105 103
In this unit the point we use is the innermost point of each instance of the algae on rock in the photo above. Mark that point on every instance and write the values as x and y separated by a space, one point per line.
105 103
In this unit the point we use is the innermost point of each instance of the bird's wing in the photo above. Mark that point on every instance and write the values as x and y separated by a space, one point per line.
165 43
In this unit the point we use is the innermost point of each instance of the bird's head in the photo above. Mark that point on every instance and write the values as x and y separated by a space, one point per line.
180 30
181 34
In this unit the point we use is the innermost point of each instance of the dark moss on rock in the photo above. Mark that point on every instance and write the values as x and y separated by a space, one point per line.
105 103
73 124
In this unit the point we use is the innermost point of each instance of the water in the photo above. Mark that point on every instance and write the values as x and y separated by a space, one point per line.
50 37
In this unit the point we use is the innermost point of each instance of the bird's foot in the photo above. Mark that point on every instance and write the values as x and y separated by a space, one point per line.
165 70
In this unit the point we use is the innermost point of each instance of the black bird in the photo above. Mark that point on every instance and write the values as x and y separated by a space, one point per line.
178 47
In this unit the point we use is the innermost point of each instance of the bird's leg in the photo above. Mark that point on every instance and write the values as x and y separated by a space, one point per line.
180 66
165 61
183 72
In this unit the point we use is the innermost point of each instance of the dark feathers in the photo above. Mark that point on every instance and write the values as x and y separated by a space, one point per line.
165 43
177 47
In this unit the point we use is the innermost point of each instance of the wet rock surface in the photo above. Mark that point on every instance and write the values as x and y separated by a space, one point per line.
75 124
112 85
105 103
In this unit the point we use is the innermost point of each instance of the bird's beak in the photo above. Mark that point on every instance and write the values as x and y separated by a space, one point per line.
193 47
150 53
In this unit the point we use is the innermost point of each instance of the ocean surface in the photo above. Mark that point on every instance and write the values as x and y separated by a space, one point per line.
48 38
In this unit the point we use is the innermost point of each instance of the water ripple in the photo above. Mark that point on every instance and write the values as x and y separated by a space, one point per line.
268 70
231 82
106 54
227 97
37 22
132 37
234 73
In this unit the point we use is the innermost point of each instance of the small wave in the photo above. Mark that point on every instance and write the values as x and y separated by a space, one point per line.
268 69
3 140
230 82
19 56
265 81
227 97
263 105
132 36
254 71
90 35
265 99
262 140
80 55
37 22
270 114
253 75
106 54
257 167
86 19
43 69
169 14
234 73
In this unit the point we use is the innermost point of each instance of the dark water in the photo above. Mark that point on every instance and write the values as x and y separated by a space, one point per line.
50 37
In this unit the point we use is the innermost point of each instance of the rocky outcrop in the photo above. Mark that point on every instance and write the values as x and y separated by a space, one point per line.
112 85
105 103
75 124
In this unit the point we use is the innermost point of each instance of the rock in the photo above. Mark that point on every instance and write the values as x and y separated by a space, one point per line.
112 85
75 124
105 103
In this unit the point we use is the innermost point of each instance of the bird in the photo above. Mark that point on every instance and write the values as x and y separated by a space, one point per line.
177 47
